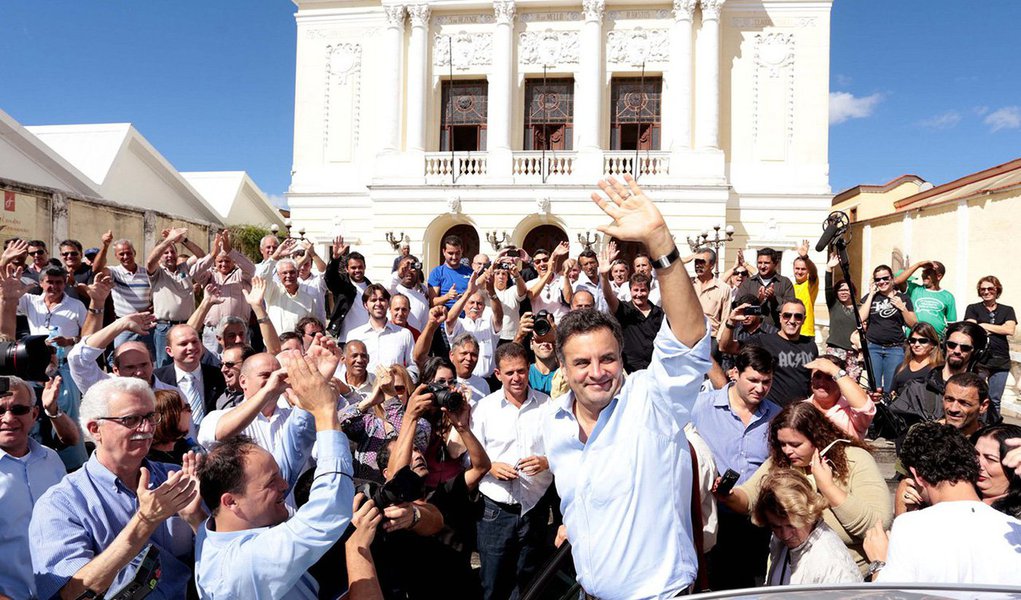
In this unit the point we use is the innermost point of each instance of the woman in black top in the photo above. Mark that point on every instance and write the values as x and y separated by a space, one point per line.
923 354
168 438
999 321
842 323
886 312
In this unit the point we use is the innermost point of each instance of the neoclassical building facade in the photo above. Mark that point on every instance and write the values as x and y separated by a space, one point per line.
494 120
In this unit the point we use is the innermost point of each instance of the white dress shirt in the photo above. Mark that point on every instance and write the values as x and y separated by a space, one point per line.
356 315
632 475
389 345
284 309
265 431
478 386
86 372
549 298
594 288
483 331
418 300
315 286
509 434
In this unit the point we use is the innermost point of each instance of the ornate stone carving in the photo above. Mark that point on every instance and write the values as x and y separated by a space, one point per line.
548 47
684 10
469 50
504 11
774 59
593 10
343 68
419 14
394 15
463 19
711 9
557 16
623 15
637 46
454 205
542 205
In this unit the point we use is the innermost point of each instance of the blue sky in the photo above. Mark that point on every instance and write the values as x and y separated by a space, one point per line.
928 87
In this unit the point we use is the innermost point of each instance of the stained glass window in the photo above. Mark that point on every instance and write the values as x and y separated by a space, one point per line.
465 109
549 114
637 111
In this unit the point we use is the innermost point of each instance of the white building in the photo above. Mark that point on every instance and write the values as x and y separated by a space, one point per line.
495 119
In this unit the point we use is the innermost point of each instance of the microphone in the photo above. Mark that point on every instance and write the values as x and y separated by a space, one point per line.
834 225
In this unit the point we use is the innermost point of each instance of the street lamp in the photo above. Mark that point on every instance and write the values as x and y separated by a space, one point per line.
715 241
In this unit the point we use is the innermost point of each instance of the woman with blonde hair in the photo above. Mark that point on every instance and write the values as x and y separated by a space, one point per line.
803 549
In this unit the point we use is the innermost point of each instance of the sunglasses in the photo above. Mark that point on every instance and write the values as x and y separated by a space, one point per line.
920 341
792 316
963 347
69 254
231 365
18 410
699 261
446 382
882 279
37 253
133 421
991 290
399 388
741 273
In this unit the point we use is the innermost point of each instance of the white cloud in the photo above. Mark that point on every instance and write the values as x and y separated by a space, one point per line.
1008 117
981 110
843 80
945 120
844 106
277 201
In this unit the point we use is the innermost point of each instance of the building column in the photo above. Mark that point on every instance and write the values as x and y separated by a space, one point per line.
418 65
588 99
500 85
390 92
707 125
58 211
680 75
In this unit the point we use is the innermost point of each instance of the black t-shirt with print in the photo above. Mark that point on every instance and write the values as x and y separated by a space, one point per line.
791 380
999 348
886 323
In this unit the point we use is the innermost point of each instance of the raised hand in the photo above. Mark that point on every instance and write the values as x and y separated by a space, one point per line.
100 288
11 285
257 294
212 294
226 245
13 251
438 313
366 519
385 380
51 391
833 261
450 295
107 238
339 247
156 506
310 389
139 323
177 234
607 255
635 217
803 248
326 353
192 512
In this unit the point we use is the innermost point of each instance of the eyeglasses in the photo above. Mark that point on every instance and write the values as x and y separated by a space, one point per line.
37 253
920 341
882 279
963 347
18 410
133 421
540 260
230 365
984 290
443 381
69 254
741 273
792 316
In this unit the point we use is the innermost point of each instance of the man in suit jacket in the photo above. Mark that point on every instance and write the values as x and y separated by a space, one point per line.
200 384
345 278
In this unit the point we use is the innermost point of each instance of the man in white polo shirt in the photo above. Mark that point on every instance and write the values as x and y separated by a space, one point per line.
131 292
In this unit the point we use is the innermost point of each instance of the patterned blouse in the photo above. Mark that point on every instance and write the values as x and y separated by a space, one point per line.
368 434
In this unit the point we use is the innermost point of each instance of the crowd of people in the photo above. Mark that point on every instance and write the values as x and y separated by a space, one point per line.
289 429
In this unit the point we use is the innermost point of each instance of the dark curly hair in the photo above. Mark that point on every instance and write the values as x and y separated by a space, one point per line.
939 454
1011 502
579 322
810 422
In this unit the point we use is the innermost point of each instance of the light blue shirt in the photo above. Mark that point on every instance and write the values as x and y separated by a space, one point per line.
78 518
734 445
272 562
626 493
22 481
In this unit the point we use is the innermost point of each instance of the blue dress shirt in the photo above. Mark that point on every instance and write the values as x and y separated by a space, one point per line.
22 482
78 518
734 445
626 493
272 562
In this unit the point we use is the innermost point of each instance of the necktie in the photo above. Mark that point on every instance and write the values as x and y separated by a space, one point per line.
194 397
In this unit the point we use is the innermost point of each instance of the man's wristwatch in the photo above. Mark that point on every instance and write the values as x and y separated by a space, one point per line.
668 259
840 373
53 416
874 567
96 311
416 515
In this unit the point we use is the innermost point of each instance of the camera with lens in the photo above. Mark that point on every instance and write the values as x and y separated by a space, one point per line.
444 397
541 323
503 266
406 486
27 358
417 265
753 310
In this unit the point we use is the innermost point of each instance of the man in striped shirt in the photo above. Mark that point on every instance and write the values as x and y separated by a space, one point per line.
131 291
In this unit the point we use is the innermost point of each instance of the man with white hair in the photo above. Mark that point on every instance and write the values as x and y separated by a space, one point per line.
482 322
286 301
87 530
173 295
27 469
231 272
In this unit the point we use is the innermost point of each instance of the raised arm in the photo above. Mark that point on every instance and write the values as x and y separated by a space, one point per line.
11 291
437 316
236 419
256 299
173 236
813 271
65 427
606 257
99 262
906 274
210 298
566 287
455 310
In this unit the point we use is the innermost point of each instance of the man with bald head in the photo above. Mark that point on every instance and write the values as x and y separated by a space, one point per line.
583 299
262 413
130 359
200 384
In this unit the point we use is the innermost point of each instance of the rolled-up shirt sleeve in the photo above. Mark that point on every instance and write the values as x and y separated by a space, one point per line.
84 369
676 374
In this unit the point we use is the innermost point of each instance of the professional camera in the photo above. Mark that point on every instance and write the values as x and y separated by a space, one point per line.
754 310
27 358
444 397
417 265
406 486
504 266
541 323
